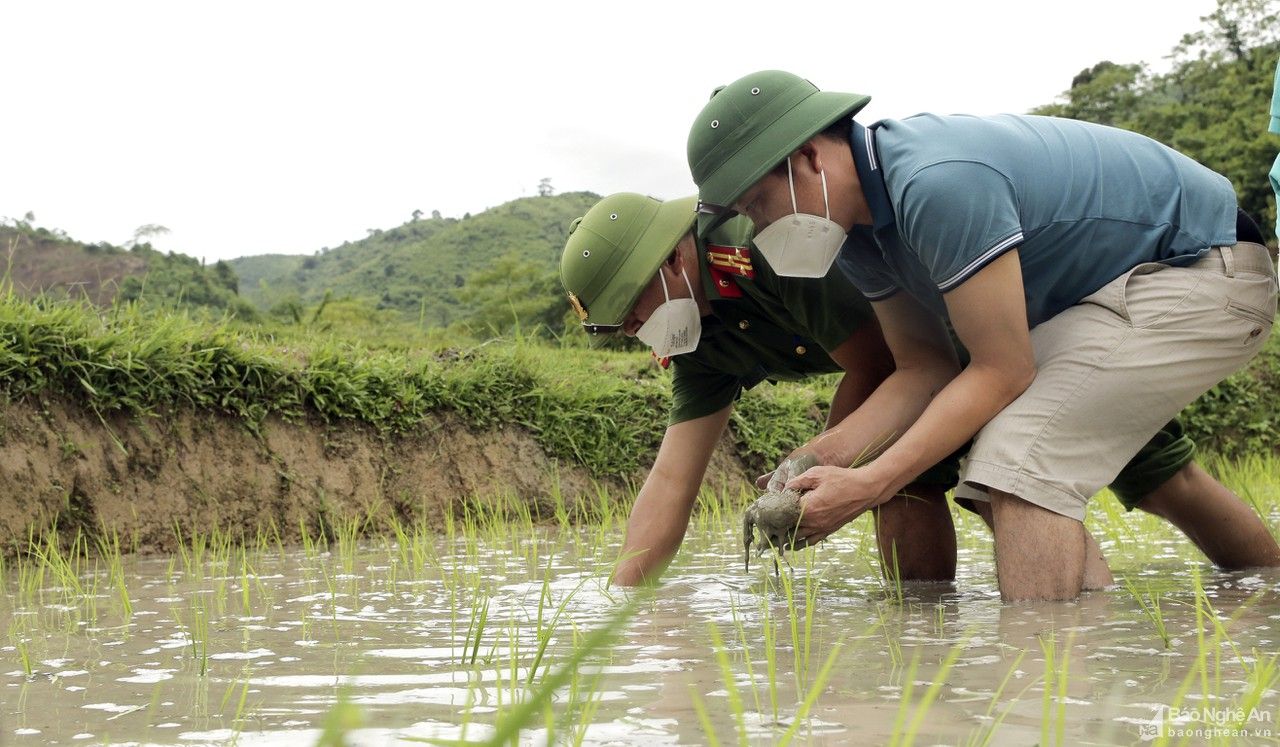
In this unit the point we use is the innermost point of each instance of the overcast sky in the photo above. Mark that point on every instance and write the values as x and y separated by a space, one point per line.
249 128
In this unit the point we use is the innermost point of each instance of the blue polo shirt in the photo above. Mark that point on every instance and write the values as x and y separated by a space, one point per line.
1082 203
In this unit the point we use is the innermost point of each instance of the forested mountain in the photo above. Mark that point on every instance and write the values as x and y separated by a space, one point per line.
487 270
42 261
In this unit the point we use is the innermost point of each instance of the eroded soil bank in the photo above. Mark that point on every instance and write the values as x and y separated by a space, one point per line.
146 477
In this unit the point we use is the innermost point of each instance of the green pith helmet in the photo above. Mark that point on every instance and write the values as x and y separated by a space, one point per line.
615 250
751 125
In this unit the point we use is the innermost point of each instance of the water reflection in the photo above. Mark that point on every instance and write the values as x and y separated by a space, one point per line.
443 650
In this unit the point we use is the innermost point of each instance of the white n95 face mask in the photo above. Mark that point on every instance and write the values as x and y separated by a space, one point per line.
675 326
801 245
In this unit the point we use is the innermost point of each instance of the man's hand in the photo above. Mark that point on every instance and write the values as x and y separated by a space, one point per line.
834 497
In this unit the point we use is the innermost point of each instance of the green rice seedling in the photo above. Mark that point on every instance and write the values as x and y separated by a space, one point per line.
245 571
237 720
890 574
1056 677
342 719
1149 603
198 631
811 697
1115 526
901 737
545 631
700 708
812 590
475 629
1262 679
514 721
310 547
793 620
741 630
18 637
983 735
109 549
769 627
586 709
730 684
892 645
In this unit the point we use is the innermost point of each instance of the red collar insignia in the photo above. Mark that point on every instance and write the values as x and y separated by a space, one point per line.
726 264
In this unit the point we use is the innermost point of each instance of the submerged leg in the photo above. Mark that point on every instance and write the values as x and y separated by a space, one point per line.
1225 528
1040 555
915 527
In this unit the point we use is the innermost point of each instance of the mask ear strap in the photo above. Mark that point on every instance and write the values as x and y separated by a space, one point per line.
791 182
825 205
687 283
663 278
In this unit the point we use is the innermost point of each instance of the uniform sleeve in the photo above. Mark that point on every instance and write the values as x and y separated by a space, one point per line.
697 392
958 217
829 308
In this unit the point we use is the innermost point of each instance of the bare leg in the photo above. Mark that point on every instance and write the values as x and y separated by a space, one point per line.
1040 555
1225 528
916 524
1097 573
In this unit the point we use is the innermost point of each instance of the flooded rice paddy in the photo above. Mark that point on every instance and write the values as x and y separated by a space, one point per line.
499 628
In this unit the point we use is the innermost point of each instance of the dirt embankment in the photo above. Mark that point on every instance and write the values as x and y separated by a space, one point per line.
196 471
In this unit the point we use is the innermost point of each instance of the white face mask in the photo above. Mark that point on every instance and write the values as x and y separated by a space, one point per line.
675 326
801 245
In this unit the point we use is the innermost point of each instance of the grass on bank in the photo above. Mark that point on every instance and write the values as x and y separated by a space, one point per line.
603 410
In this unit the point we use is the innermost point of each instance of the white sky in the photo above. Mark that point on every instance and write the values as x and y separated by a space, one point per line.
249 128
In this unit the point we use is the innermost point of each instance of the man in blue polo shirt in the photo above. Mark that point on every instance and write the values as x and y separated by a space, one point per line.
1093 274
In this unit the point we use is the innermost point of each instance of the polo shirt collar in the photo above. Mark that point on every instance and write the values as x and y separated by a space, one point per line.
867 161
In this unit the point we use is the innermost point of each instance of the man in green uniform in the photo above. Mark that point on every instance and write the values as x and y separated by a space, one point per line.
1099 280
631 254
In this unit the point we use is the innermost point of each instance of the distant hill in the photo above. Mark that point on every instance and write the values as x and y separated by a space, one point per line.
39 261
420 266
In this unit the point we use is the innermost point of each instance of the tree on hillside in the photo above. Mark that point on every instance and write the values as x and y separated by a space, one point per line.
515 293
1232 31
544 187
1212 105
146 231
1104 93
416 215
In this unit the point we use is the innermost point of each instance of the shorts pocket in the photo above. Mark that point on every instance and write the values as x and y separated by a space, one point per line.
1248 313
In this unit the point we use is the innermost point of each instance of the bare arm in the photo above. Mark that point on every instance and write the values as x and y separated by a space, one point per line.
989 314
922 361
661 512
866 361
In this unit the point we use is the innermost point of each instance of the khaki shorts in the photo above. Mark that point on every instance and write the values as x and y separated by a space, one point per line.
1117 366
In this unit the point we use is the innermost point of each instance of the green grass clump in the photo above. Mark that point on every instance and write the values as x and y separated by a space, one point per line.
604 411
1241 415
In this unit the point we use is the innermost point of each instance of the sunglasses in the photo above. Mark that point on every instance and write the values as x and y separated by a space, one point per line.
602 329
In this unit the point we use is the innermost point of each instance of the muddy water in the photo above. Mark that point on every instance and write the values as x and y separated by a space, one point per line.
396 644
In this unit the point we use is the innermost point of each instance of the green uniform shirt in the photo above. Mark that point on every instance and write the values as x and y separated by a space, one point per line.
762 327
